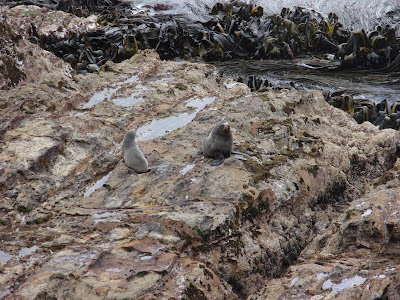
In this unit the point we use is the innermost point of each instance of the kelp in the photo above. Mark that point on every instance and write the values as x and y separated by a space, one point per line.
233 30
383 114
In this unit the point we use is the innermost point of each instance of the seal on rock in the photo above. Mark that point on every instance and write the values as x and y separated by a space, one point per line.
219 143
133 157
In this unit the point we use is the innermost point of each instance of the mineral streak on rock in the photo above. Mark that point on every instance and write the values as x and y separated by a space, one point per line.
265 227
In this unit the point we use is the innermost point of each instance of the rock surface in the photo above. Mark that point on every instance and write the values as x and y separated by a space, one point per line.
357 257
312 213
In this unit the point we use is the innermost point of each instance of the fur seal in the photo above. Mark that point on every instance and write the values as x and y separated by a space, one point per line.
133 157
219 143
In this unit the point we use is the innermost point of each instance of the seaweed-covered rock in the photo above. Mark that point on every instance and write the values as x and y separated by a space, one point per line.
233 30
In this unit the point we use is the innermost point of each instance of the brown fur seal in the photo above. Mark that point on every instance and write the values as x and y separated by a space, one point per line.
218 144
133 157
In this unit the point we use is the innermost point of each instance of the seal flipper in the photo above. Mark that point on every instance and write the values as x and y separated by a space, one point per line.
130 171
241 153
219 159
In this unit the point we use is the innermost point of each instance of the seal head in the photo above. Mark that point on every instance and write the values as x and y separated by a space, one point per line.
133 157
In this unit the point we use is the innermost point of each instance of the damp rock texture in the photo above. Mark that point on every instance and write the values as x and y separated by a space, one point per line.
310 213
356 257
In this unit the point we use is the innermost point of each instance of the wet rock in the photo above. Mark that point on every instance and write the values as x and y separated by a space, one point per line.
186 228
10 57
355 257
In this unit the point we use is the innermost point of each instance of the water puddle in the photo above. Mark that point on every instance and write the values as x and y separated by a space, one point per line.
322 275
345 284
114 270
367 213
166 79
5 257
231 85
146 257
5 292
106 217
131 79
164 167
27 251
128 101
141 87
97 185
360 204
294 280
107 93
161 127
68 261
100 97
186 169
181 282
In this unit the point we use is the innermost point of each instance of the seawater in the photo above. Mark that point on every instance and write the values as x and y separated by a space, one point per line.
360 84
355 14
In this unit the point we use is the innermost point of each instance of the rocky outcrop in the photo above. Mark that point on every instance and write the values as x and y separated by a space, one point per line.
357 255
19 62
299 214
